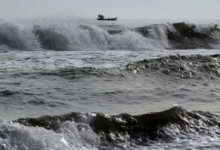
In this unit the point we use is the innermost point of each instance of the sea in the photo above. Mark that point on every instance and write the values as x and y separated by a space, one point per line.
83 84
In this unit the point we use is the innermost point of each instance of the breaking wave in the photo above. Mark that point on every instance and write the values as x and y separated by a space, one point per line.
21 36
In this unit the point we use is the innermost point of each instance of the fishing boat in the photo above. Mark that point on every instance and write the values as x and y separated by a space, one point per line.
101 17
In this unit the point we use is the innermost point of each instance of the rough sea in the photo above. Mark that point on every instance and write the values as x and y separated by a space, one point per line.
83 84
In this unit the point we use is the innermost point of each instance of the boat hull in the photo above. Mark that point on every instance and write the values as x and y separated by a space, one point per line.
112 19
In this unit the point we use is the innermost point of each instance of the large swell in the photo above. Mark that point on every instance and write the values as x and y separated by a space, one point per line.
16 35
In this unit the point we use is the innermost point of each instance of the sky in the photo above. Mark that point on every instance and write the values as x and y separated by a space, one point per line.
124 9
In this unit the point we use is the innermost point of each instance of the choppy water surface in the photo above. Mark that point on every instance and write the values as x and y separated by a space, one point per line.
122 85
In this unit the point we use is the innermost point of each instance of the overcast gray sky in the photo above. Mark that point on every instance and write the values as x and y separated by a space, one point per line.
126 9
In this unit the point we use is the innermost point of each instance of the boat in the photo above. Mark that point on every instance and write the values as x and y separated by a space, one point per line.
101 17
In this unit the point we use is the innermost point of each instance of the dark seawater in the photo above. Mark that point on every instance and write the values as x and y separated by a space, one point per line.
130 84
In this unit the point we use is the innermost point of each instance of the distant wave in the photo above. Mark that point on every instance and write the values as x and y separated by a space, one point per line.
18 36
183 35
139 129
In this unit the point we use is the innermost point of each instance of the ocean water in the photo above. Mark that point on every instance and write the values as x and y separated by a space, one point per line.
69 84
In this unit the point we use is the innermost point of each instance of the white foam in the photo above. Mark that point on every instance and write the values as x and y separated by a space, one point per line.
19 137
